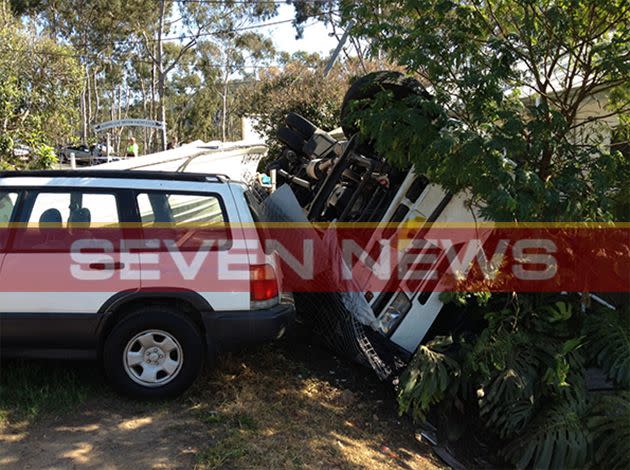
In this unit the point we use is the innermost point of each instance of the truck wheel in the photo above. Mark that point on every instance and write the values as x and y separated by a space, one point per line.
301 125
369 86
153 353
291 139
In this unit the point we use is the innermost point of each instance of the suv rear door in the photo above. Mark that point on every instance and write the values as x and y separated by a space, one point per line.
203 231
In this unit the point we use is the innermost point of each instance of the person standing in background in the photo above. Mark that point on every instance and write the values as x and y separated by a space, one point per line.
172 144
132 147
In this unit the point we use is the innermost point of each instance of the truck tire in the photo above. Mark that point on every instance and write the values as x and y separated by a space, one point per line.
291 139
369 86
153 353
300 124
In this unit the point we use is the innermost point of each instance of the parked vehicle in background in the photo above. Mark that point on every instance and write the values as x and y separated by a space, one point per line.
152 333
85 155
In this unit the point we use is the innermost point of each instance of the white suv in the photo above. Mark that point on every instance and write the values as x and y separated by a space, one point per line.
104 300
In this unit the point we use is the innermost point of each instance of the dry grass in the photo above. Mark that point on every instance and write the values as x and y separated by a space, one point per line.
266 411
280 407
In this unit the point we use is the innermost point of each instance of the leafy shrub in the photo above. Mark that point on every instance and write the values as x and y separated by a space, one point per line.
300 89
609 424
522 146
525 376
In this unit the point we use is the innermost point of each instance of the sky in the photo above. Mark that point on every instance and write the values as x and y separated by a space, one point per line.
316 38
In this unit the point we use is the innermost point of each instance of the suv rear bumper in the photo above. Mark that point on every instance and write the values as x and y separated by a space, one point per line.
232 329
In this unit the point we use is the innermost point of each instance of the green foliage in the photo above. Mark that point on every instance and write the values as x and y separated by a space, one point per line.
298 88
524 377
610 426
526 96
557 438
39 86
608 333
428 379
499 126
44 157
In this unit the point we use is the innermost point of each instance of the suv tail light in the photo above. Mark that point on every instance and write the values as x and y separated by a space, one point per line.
263 286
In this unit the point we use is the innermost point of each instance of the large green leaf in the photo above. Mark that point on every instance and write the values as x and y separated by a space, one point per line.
610 425
608 334
428 378
556 438
506 402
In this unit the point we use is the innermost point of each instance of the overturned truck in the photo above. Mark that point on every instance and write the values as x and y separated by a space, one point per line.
322 179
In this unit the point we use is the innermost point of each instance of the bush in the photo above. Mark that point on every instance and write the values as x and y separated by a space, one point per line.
298 88
40 83
511 80
523 378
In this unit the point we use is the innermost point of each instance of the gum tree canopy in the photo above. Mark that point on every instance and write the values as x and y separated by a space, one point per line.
39 83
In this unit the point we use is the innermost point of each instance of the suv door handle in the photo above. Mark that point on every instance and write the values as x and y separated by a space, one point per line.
107 266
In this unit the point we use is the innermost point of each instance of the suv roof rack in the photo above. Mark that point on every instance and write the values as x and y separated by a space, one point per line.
121 174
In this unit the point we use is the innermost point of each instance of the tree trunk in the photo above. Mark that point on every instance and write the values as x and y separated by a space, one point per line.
152 110
88 83
225 103
84 124
161 77
143 91
97 98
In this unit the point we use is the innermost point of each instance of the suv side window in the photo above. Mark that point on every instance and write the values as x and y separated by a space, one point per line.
195 217
7 203
57 217
75 207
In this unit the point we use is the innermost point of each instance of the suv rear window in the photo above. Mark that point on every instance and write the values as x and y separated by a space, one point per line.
196 217
180 209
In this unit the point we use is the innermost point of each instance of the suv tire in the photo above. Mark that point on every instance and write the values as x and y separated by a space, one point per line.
153 353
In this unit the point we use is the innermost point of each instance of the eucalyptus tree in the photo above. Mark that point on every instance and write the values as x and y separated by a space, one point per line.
39 84
102 32
190 23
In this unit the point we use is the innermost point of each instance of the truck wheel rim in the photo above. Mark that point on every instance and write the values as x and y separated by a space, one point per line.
153 358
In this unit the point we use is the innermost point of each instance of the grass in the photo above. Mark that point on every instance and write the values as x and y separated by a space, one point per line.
29 389
268 410
278 407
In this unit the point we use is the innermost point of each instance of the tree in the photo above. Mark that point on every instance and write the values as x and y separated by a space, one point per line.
511 121
39 84
298 87
517 75
328 11
218 22
103 34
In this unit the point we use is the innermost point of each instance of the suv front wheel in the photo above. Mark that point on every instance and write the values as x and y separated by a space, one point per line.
153 353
